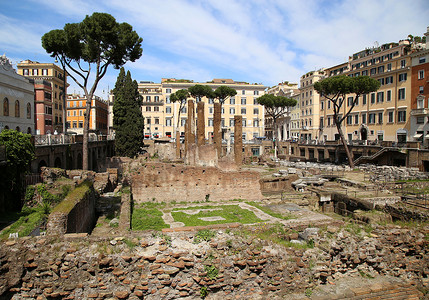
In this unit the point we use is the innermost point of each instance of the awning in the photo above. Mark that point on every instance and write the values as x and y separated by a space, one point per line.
417 136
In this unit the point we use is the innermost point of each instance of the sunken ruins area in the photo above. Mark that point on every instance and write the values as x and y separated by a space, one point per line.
152 229
207 226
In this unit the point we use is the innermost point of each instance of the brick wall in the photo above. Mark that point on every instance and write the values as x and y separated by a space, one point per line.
168 182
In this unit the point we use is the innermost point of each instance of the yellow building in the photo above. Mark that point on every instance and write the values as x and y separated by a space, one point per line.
53 74
162 116
380 116
285 89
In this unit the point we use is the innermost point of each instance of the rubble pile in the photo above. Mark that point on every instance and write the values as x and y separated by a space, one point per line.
230 266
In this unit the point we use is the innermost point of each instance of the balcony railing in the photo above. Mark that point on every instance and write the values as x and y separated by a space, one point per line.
59 139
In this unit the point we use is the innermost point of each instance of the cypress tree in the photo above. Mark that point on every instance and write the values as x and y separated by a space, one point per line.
128 120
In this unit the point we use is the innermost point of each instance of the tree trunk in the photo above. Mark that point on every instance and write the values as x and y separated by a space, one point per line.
85 143
346 147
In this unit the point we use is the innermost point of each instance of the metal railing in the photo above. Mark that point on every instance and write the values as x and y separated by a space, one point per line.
60 139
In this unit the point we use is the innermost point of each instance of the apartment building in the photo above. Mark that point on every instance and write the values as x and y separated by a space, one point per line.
17 99
43 106
56 76
285 89
382 115
310 106
419 119
162 116
76 106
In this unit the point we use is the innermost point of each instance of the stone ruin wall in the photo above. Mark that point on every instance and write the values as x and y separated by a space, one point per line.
167 182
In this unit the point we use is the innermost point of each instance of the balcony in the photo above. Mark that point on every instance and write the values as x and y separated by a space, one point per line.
420 112
154 103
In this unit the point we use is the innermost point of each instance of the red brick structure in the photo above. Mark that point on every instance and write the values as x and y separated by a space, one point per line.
238 142
169 182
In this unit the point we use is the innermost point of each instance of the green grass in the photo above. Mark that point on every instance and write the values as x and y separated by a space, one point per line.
231 214
270 212
204 235
72 198
147 216
29 219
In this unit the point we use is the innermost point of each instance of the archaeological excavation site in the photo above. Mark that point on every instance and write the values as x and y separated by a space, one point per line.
207 223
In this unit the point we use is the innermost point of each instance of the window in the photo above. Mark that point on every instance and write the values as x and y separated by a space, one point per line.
329 104
364 118
183 110
35 72
420 103
380 69
156 99
74 113
168 122
148 122
156 121
80 112
244 122
403 63
321 122
17 109
148 108
380 118
402 116
26 72
156 108
168 91
28 111
401 94
390 116
365 73
389 80
6 107
349 120
243 101
372 98
356 119
256 111
373 71
255 123
232 100
211 101
380 97
255 92
243 111
232 111
402 77
421 74
182 122
168 109
381 80
147 98
371 118
243 92
422 60
255 101
231 122
389 95
349 101
80 124
389 67
421 89
420 120
322 105
167 100
364 99
45 72
329 121
210 110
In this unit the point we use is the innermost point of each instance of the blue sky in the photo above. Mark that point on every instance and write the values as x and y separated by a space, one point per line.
257 41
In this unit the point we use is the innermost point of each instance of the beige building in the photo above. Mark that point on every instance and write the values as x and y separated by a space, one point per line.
53 74
382 115
285 89
162 116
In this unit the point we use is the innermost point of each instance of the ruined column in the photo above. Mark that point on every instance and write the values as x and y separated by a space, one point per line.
178 144
190 129
186 138
201 126
238 141
217 133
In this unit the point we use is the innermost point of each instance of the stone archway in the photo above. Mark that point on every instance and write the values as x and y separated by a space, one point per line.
363 133
57 163
41 164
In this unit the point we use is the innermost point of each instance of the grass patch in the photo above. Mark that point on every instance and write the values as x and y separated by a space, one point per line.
230 213
73 197
204 235
277 234
148 217
29 219
270 212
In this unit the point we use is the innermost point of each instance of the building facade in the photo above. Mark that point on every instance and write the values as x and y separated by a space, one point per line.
17 99
162 116
380 116
98 121
285 89
56 76
419 127
43 106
